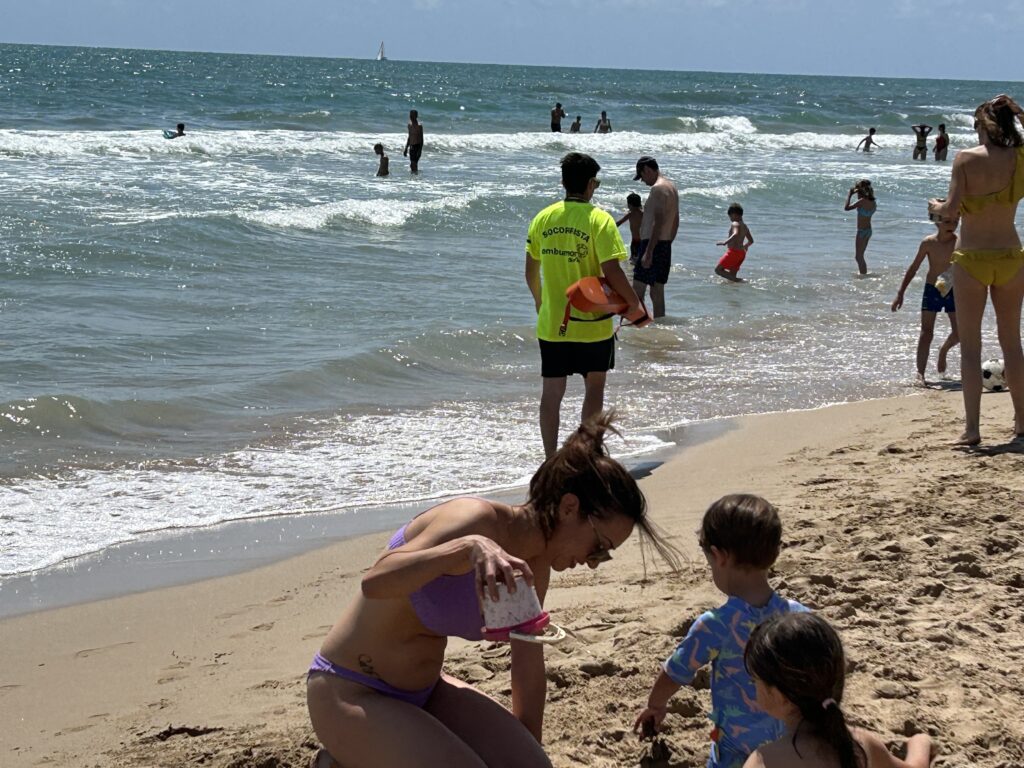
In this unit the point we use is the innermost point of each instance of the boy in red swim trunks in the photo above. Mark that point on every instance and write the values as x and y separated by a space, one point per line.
736 245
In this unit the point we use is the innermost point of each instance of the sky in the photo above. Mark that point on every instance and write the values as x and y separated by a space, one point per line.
957 39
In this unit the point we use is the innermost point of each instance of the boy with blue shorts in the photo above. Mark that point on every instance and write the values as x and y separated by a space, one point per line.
938 294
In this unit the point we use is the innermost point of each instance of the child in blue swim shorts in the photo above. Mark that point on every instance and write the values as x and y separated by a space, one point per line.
741 535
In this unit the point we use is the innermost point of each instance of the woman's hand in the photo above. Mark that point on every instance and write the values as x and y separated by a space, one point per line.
937 207
488 560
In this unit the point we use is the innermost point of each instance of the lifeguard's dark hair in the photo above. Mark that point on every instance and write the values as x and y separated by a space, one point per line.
746 526
577 170
999 123
801 656
603 486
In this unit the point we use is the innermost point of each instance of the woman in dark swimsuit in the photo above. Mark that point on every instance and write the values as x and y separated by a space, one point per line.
376 692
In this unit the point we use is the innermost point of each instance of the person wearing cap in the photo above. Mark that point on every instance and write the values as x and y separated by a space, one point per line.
567 241
657 231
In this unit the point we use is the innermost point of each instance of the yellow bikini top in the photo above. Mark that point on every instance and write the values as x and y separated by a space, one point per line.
1008 195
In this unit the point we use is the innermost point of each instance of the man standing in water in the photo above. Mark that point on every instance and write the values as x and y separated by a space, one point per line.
556 118
657 231
604 125
567 241
414 144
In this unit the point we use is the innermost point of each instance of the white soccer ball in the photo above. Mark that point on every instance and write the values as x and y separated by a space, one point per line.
993 376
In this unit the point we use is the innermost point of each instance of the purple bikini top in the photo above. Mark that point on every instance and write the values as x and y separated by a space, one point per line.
448 605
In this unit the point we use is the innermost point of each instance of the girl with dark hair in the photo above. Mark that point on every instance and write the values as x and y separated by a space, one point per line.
376 692
865 207
986 184
799 671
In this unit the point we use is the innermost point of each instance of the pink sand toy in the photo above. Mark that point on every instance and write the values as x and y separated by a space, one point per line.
518 616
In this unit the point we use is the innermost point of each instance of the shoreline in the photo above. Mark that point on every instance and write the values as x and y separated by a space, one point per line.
180 556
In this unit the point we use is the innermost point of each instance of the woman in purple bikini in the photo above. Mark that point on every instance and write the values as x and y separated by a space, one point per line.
376 692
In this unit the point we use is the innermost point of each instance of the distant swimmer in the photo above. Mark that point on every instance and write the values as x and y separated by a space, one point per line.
868 141
736 245
575 127
414 144
556 118
173 135
604 125
657 231
384 168
941 143
865 207
921 131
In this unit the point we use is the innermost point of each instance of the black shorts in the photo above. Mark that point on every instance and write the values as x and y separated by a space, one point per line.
559 359
415 150
556 127
661 262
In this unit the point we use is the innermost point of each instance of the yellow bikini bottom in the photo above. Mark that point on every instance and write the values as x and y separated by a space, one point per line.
991 267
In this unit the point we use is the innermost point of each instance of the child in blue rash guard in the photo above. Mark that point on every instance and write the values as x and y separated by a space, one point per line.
741 535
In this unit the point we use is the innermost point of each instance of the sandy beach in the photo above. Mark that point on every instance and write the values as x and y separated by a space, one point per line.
911 548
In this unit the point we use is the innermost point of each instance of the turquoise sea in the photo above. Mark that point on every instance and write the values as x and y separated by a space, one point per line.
245 322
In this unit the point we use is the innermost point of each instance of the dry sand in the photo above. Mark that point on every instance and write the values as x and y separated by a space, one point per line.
912 549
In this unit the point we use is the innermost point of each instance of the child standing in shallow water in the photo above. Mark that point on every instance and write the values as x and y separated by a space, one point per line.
736 245
634 215
741 536
938 293
799 668
865 207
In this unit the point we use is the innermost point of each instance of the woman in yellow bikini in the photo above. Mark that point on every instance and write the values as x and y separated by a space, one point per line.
987 182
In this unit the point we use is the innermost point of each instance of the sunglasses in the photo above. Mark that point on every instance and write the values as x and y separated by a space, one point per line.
597 183
600 555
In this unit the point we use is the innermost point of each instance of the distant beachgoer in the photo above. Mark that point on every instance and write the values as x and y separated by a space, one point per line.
567 241
575 127
384 168
175 134
414 144
986 184
376 691
938 293
556 118
741 536
799 666
921 147
865 207
634 215
868 141
736 245
657 231
604 125
941 143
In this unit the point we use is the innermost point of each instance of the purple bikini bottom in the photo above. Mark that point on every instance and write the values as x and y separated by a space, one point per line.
416 698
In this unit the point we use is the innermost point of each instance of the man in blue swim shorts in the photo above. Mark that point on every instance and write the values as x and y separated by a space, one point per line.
657 231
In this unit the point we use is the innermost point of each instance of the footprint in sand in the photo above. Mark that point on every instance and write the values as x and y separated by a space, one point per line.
85 653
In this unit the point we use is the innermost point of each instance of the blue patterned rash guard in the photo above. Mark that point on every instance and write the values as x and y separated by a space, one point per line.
719 636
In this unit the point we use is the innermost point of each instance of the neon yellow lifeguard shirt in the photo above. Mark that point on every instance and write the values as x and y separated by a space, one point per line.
571 240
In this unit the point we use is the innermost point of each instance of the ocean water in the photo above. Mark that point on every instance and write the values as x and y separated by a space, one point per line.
245 322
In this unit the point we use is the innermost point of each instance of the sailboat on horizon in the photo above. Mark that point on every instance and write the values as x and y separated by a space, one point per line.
380 52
